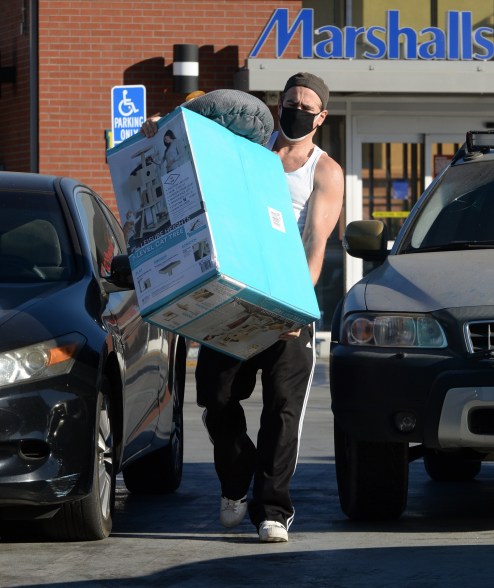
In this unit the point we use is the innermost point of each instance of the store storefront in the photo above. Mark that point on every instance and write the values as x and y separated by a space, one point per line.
407 81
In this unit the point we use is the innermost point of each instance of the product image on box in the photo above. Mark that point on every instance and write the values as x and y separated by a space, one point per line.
142 187
214 248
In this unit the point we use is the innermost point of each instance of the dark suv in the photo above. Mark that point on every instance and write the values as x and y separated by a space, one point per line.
412 350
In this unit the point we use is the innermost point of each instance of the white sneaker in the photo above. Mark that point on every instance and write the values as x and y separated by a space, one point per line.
272 532
232 512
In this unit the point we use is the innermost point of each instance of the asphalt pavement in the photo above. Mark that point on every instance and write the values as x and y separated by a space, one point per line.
444 538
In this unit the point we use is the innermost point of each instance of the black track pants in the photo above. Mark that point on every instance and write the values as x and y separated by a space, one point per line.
222 382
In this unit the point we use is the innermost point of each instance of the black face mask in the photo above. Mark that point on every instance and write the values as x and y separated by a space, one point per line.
296 123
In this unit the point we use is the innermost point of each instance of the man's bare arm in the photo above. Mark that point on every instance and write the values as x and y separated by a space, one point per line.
323 213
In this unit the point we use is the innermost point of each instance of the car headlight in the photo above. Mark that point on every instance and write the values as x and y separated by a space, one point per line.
384 330
39 361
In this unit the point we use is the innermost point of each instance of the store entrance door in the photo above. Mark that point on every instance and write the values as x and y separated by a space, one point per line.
394 175
391 172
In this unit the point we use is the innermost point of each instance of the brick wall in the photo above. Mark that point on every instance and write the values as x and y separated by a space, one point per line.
86 48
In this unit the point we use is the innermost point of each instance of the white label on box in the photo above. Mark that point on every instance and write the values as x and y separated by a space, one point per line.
276 219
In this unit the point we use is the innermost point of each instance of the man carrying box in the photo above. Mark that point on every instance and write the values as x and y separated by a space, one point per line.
316 187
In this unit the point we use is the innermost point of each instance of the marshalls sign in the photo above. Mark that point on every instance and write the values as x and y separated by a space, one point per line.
128 107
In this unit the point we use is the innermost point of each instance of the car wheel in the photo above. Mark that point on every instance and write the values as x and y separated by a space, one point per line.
90 519
160 472
372 477
450 467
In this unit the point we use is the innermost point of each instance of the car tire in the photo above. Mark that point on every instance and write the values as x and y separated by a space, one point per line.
160 472
91 518
450 467
372 477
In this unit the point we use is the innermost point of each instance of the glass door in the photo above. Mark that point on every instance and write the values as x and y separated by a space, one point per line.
392 180
394 175
390 172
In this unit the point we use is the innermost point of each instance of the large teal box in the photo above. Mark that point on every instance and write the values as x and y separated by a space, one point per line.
215 250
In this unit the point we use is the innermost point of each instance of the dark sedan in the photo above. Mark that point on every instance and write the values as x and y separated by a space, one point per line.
87 388
412 351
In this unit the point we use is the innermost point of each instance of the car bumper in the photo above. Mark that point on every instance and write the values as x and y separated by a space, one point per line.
451 398
46 444
467 418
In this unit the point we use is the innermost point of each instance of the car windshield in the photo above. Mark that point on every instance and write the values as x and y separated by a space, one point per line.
34 241
459 213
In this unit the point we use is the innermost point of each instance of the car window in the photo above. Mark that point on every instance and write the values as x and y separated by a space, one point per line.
102 240
114 224
34 241
459 210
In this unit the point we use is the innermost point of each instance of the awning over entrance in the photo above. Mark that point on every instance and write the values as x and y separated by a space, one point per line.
363 75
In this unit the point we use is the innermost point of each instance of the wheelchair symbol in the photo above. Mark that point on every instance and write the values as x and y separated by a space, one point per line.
126 107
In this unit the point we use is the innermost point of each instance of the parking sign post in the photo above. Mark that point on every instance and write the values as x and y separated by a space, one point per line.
128 107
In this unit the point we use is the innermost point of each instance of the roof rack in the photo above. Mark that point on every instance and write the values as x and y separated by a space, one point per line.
480 141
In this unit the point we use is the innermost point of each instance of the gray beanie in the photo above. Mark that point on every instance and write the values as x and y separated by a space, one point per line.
311 81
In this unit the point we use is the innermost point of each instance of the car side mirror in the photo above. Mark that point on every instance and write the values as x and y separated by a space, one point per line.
366 239
120 272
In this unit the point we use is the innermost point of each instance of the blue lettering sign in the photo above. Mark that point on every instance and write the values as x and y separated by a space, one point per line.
436 47
332 46
351 34
376 43
466 35
486 44
453 19
395 34
460 41
284 33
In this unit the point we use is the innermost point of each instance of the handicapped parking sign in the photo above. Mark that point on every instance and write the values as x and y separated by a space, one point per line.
128 108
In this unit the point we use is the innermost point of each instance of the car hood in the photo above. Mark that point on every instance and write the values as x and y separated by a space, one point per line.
14 300
37 312
424 282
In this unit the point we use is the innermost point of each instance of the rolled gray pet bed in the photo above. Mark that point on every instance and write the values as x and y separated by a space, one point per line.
241 113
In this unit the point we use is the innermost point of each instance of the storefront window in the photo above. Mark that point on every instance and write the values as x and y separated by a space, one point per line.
328 12
418 14
393 179
482 11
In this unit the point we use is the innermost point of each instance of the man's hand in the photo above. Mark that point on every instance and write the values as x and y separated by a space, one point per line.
290 335
149 127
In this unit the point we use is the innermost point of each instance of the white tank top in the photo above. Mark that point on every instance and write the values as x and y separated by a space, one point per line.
300 183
